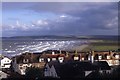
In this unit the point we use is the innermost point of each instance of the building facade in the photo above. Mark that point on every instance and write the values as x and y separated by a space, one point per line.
5 63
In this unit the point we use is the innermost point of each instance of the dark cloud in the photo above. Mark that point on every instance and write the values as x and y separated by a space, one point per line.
94 15
83 18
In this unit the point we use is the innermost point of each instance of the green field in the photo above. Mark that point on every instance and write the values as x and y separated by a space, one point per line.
101 45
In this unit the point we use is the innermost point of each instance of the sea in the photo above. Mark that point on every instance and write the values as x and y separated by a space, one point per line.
16 46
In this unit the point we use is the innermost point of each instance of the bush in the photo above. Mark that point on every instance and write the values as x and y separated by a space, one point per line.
33 72
116 72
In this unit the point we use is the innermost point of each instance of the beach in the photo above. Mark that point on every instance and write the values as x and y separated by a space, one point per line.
80 48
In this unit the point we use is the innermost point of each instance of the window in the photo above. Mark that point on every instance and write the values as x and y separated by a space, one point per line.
117 56
100 57
48 59
46 69
24 67
21 67
25 60
61 59
41 60
108 56
76 58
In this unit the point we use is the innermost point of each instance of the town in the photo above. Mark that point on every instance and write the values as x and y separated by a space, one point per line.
59 64
59 40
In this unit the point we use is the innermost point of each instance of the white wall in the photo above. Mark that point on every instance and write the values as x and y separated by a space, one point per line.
22 68
5 62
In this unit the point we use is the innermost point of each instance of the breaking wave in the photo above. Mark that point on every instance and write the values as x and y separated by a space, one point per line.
14 47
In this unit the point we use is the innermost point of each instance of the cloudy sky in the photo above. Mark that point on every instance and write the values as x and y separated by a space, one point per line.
59 18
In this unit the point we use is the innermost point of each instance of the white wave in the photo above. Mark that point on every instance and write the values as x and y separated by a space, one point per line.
39 46
10 51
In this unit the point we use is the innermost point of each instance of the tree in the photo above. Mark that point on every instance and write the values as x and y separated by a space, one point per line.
116 72
33 72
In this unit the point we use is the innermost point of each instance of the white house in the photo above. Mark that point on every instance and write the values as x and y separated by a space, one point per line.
5 62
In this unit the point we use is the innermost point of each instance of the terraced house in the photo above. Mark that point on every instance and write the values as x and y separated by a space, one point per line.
21 62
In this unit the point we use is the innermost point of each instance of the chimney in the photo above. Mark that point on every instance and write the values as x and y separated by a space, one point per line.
89 56
80 56
60 52
67 54
15 60
53 53
76 57
92 56
76 52
111 54
31 57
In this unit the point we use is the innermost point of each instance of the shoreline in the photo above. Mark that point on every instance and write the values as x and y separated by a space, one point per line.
80 48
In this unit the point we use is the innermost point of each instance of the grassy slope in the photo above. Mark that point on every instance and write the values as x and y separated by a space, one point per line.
102 45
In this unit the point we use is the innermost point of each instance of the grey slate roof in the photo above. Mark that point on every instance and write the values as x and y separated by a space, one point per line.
102 65
73 68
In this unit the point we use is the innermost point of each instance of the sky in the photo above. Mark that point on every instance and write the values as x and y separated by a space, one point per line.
59 18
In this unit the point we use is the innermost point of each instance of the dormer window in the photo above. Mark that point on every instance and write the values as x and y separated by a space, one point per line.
25 60
108 56
82 58
61 59
48 59
100 57
117 56
41 60
76 58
